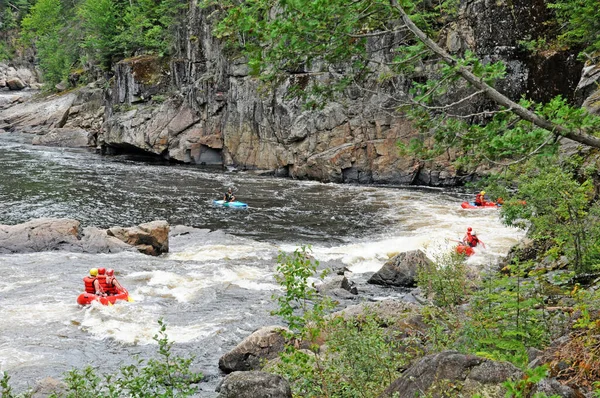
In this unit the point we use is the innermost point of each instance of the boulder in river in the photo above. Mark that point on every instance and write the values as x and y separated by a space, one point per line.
66 137
401 270
254 385
46 234
150 238
264 344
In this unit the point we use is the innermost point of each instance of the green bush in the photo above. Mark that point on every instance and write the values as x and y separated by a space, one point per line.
360 359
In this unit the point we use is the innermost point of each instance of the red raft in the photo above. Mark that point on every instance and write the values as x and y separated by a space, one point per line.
466 250
87 298
487 205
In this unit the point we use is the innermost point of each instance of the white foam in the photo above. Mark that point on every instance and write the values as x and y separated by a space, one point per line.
255 250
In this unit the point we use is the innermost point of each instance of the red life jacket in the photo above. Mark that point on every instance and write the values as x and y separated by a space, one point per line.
110 287
89 284
479 199
103 285
473 241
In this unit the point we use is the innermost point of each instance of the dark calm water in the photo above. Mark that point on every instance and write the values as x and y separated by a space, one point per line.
215 286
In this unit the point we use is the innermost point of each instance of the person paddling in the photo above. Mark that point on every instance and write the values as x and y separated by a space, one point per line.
92 285
467 237
480 199
474 240
113 284
229 196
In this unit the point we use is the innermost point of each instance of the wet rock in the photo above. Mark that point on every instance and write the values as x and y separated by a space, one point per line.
48 386
401 270
46 234
95 240
65 137
264 344
40 235
333 286
434 376
254 385
150 238
15 84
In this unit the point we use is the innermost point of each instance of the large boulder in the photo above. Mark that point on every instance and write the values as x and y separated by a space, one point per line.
64 137
14 83
40 235
264 344
401 270
254 385
150 238
45 234
436 375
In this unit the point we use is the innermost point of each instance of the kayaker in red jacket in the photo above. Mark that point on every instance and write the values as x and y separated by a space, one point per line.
480 199
467 237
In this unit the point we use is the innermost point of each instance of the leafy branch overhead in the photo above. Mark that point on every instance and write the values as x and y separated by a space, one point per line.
389 49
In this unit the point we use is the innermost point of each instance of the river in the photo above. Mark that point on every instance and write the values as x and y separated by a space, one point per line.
215 286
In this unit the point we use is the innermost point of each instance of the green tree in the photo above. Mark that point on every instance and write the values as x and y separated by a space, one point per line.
560 208
101 22
44 28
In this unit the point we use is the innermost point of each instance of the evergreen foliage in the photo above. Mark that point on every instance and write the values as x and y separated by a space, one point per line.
579 23
76 34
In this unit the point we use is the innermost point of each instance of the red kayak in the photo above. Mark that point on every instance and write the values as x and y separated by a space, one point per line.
466 250
487 205
87 298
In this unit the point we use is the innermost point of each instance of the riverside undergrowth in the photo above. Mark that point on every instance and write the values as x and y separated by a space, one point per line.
499 316
331 355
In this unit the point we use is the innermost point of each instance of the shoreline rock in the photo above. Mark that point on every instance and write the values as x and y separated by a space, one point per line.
48 234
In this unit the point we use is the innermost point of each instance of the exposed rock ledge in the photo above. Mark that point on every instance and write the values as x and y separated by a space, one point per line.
46 234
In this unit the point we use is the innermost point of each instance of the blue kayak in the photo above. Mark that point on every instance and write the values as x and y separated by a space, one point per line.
229 204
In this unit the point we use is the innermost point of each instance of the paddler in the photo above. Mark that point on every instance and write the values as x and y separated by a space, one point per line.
92 285
229 196
473 240
112 282
480 199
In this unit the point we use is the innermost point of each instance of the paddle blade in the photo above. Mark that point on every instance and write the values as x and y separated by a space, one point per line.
129 299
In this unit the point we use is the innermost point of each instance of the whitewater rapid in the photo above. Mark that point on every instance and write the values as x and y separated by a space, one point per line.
216 285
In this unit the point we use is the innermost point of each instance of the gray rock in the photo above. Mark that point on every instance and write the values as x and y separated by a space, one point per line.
264 344
46 234
41 235
338 282
39 115
254 385
14 83
433 374
401 270
150 238
66 137
551 387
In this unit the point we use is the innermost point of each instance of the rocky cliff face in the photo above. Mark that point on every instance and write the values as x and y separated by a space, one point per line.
204 108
